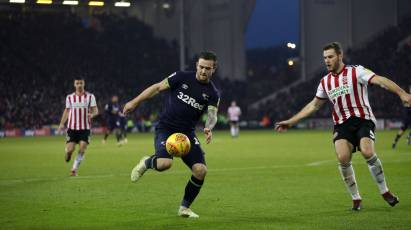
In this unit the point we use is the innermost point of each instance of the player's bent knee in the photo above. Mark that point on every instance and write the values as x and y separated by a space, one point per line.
199 171
367 151
70 149
344 157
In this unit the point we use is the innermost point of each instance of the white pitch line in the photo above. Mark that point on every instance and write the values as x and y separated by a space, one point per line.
45 179
317 163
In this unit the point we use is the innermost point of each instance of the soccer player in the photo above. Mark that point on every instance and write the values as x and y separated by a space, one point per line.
406 122
80 108
188 96
345 86
234 113
113 120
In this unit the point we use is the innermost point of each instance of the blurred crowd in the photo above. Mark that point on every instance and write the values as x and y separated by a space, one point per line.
388 54
41 53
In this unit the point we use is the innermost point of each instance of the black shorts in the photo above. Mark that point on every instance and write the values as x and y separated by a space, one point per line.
113 124
353 130
196 154
78 135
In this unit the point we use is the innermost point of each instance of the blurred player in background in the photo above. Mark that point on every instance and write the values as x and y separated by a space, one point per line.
354 122
406 122
81 107
188 95
113 120
234 113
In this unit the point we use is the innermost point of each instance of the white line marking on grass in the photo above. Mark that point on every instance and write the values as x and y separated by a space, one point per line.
317 163
7 182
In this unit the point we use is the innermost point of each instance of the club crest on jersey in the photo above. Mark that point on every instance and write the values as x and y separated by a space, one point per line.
345 80
205 96
184 86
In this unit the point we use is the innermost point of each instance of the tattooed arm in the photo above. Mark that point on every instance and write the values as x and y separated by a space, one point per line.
210 122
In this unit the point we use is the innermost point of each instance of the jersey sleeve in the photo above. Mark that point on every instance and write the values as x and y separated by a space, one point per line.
93 102
321 94
364 75
68 104
174 79
214 99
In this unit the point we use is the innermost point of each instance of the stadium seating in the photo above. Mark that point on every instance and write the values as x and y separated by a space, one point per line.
383 54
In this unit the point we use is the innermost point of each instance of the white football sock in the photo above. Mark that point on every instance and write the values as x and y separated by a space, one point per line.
375 167
348 175
77 161
232 131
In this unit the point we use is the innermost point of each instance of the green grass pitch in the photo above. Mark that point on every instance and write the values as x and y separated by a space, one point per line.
262 180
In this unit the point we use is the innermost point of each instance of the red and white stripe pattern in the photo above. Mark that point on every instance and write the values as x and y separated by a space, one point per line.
347 91
79 107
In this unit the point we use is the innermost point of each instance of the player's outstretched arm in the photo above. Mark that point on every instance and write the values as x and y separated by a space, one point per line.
210 122
63 120
386 83
308 109
146 94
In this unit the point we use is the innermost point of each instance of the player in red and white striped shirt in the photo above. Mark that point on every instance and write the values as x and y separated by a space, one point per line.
81 107
346 88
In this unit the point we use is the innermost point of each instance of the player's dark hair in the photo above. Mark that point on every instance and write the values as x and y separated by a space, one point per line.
79 77
208 55
333 45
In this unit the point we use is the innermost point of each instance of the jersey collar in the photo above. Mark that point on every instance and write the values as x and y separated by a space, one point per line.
337 74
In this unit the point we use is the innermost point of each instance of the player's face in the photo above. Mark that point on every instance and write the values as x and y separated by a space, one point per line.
332 60
205 69
114 99
233 103
79 85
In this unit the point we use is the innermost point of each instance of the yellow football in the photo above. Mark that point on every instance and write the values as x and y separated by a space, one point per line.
178 144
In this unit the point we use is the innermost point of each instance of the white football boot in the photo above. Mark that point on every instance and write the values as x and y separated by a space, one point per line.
139 170
186 212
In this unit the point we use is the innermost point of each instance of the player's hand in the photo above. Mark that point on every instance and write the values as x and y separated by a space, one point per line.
208 134
406 99
129 107
282 126
59 129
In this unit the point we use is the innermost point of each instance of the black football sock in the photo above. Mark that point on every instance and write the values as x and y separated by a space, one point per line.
397 138
118 135
151 163
192 189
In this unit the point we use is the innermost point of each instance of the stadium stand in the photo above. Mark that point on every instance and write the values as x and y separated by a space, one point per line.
388 54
